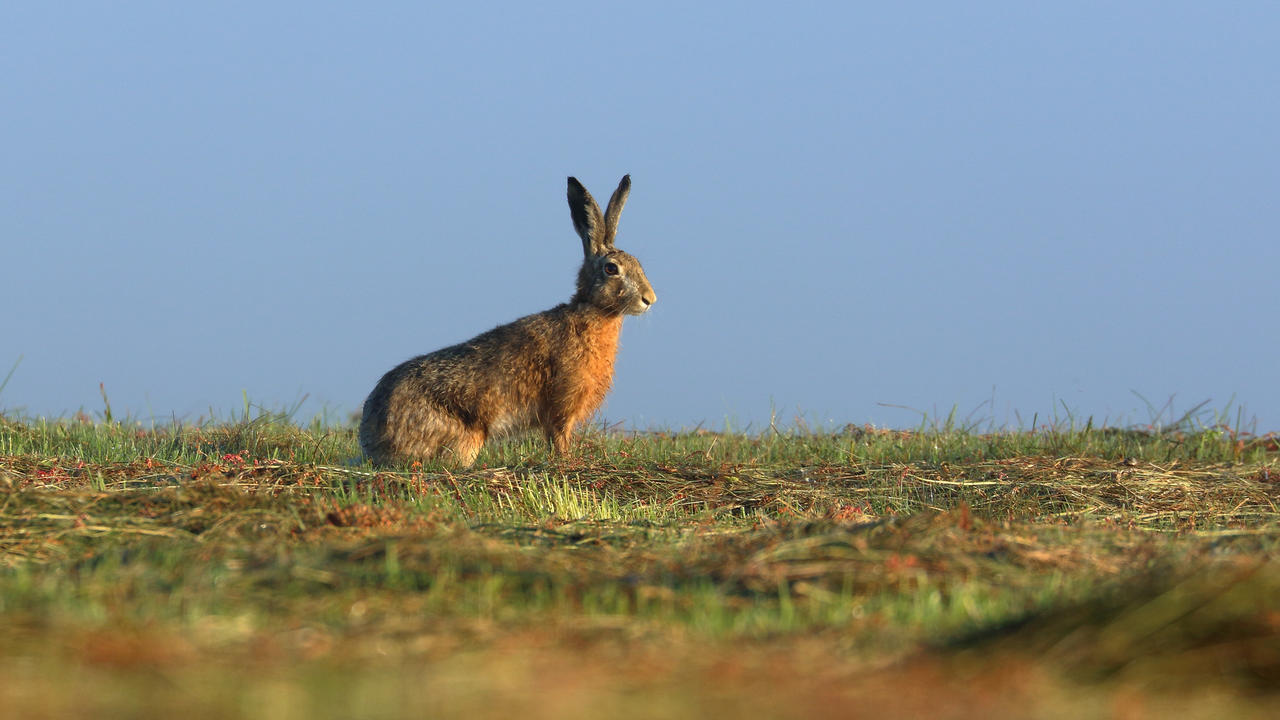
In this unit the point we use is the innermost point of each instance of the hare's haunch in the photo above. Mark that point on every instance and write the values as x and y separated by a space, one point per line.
548 371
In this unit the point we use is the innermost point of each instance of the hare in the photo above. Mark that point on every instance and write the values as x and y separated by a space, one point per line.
547 371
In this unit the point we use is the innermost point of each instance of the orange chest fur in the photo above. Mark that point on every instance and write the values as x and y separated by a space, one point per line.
592 376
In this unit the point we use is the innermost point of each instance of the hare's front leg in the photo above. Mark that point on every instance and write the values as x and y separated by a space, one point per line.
559 430
558 438
558 414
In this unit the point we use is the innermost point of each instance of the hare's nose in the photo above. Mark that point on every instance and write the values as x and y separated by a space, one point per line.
649 298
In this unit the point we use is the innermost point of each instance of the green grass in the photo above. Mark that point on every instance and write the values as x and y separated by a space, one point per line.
257 569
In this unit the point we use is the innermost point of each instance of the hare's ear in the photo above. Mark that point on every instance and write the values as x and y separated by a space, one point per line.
614 209
586 219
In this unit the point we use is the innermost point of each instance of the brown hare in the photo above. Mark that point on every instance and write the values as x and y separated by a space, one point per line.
547 371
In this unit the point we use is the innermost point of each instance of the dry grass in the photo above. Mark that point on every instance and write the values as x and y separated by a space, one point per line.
248 571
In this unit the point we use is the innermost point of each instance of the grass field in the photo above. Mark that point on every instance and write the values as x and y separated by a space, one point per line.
251 569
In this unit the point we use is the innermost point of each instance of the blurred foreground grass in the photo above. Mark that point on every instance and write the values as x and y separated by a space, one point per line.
256 569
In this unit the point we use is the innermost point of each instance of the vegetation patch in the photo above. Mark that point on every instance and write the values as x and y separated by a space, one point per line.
258 569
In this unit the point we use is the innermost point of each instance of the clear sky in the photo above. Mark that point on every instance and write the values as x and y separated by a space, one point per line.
1011 208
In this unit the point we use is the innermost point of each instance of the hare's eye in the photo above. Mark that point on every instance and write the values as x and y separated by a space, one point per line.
610 269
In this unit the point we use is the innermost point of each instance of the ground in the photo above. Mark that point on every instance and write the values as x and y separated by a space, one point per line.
253 569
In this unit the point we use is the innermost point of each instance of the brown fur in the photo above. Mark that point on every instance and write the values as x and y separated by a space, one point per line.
550 370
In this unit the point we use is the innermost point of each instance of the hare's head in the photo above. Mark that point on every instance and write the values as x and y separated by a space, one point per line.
610 279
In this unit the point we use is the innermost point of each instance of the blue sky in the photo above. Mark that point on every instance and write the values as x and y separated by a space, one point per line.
1010 208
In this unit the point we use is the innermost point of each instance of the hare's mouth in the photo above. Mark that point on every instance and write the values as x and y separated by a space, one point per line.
639 307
